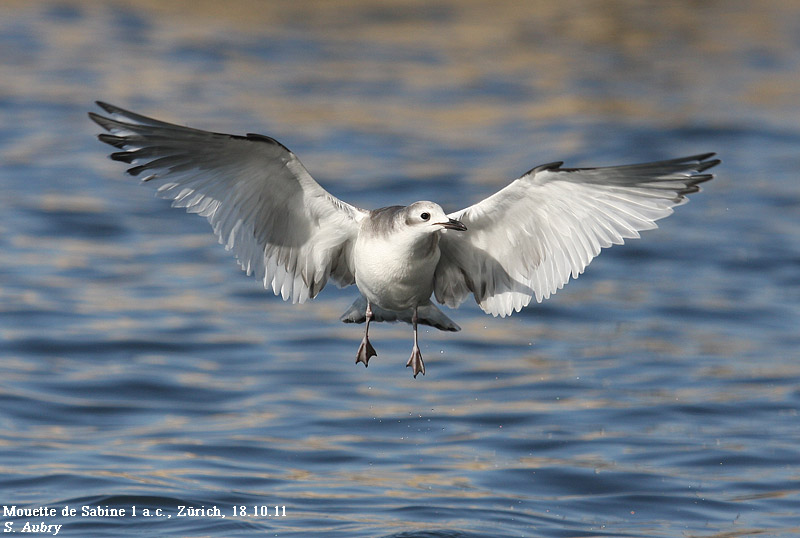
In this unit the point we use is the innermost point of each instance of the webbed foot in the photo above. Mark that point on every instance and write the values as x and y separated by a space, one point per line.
415 362
365 351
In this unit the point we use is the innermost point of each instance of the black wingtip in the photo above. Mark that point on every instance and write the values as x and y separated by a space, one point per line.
97 118
701 156
106 106
702 178
542 167
113 140
261 138
705 165
123 156
136 170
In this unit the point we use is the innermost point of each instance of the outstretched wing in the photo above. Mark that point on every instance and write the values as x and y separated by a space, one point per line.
527 239
260 200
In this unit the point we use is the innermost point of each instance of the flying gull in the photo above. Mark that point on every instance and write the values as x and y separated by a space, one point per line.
524 241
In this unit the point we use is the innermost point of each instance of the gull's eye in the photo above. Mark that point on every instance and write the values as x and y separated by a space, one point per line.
425 216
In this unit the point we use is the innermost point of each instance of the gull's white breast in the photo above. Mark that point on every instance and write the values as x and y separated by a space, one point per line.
395 270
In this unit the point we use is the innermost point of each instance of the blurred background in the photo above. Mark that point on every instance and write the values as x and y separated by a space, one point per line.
657 395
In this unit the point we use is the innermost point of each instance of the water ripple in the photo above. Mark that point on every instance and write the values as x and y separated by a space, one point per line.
655 396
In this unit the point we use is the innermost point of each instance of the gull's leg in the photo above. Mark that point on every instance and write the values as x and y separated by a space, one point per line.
365 350
416 357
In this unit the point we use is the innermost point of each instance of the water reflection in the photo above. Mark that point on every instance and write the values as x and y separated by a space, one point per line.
655 396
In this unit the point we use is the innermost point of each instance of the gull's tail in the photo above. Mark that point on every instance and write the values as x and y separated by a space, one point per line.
428 314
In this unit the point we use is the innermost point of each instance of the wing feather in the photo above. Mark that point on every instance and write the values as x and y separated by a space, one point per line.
261 202
529 238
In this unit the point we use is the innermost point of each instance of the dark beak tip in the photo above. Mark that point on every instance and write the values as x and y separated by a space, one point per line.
454 224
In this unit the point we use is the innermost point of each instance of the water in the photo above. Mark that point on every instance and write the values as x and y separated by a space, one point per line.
655 396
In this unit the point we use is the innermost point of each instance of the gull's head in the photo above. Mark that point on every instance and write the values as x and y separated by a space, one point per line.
428 217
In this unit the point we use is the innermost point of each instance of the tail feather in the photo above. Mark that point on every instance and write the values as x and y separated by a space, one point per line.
427 315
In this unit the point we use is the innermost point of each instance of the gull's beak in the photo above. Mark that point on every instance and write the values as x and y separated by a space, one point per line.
453 224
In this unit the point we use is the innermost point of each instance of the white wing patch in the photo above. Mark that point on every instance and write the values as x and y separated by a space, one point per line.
261 202
528 239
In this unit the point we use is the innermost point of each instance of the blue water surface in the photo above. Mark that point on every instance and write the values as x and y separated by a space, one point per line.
656 396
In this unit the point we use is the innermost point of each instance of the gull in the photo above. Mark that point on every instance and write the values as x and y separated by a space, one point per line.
523 242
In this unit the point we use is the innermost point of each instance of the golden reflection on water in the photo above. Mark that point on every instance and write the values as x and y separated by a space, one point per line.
576 59
567 63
